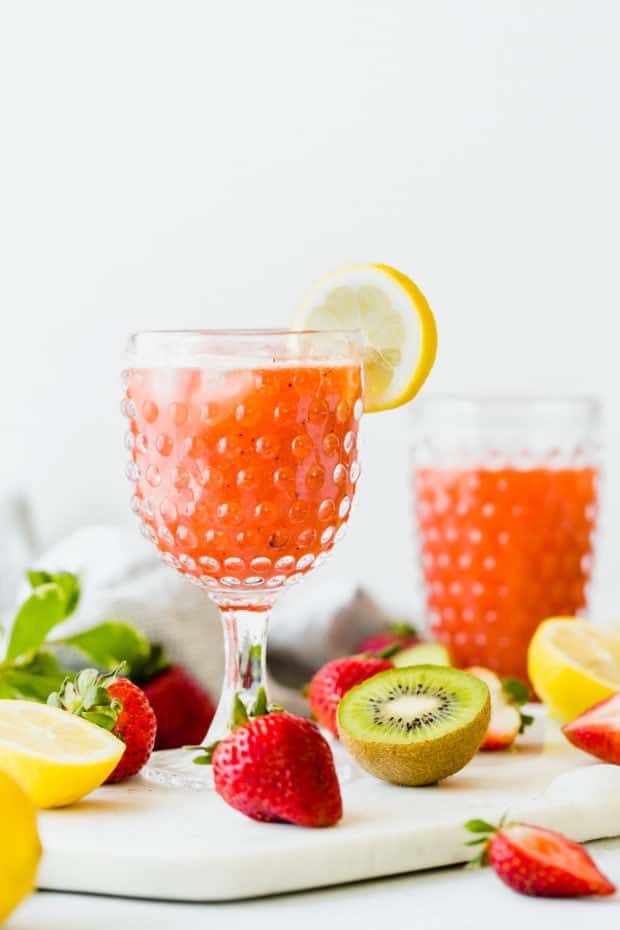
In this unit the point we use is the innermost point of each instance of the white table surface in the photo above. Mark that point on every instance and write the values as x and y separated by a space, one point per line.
445 899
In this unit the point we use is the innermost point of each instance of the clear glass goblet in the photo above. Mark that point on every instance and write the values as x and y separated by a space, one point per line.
243 449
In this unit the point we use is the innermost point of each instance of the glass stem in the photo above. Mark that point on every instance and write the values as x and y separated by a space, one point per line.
245 673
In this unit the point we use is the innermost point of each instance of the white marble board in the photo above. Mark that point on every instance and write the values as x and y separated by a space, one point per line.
147 841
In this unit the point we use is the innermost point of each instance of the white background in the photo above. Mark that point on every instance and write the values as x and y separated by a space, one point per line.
198 164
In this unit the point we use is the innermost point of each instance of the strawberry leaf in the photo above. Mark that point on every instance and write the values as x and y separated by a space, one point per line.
402 629
479 826
526 721
479 861
205 756
260 704
101 719
87 696
516 691
388 652
240 714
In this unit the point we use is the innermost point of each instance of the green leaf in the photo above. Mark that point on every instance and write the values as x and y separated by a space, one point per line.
109 643
100 719
526 721
479 826
480 860
402 629
516 691
32 681
260 704
481 839
43 610
205 753
389 651
142 670
71 586
240 714
67 581
36 578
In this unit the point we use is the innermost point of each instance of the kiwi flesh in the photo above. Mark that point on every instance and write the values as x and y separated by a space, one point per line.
422 654
415 725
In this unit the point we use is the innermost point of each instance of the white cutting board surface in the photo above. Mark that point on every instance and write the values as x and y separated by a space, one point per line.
147 841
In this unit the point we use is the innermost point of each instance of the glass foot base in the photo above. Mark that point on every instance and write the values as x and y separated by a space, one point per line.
174 769
346 769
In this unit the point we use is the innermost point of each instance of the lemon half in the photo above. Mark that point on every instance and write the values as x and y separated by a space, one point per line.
20 848
573 665
393 314
54 756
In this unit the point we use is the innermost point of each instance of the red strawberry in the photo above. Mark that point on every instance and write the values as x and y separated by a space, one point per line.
398 634
117 705
333 680
597 731
507 719
535 861
136 726
276 767
183 708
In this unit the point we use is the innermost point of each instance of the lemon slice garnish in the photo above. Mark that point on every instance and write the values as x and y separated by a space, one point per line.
395 318
55 757
573 665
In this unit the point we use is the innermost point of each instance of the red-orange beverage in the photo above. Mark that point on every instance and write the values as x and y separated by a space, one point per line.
244 478
501 551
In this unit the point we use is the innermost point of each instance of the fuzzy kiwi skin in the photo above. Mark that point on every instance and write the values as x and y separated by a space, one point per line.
424 762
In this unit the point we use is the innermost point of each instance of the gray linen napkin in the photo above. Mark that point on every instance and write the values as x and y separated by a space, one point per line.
122 578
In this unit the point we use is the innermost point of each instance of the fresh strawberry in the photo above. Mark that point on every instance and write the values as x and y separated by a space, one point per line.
333 680
597 731
535 861
507 718
183 708
136 726
117 705
398 634
276 767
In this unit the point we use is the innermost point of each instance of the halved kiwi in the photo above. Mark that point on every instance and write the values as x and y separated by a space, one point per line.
422 654
415 725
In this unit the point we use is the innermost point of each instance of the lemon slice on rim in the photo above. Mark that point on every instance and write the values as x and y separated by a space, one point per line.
54 756
573 665
393 314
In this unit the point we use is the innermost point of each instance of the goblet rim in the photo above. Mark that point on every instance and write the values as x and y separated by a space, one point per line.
240 331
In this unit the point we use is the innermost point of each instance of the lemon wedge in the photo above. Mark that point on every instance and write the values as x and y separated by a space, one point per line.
393 314
54 756
573 665
20 849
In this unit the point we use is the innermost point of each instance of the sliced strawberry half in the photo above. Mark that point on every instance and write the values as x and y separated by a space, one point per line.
507 718
536 861
597 731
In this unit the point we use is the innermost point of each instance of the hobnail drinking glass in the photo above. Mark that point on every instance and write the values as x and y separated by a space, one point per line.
505 505
243 453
